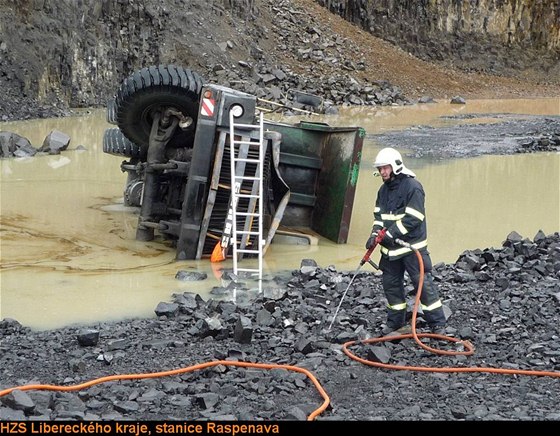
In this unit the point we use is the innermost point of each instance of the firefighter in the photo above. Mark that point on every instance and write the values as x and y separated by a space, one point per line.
399 209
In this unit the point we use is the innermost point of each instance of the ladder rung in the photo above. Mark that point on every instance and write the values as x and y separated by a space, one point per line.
247 251
246 232
242 142
246 159
247 177
246 214
248 195
248 270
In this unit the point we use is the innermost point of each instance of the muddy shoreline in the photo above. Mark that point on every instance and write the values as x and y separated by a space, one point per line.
499 134
504 301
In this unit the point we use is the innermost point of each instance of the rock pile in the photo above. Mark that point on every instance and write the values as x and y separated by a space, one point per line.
504 300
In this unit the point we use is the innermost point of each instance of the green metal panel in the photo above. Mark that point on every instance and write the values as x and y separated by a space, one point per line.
336 185
333 184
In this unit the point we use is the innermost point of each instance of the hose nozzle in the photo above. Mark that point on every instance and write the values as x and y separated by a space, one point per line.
402 243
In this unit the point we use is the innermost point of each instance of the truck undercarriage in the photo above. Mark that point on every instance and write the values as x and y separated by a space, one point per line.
177 134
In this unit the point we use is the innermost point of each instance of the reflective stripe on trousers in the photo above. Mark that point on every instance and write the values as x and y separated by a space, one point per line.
393 286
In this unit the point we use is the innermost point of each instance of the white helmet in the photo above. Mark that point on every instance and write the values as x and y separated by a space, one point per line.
390 156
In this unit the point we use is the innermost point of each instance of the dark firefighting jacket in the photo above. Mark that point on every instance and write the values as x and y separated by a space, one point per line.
400 209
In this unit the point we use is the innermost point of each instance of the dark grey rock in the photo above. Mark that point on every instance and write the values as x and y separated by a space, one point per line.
167 309
76 365
426 99
379 354
304 345
294 413
118 344
19 400
12 144
55 142
243 330
458 100
188 300
208 400
308 262
11 414
88 337
190 276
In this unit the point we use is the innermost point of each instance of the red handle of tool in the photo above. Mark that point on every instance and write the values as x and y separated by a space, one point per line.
378 240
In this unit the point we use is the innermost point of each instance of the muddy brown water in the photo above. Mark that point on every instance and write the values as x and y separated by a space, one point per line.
68 249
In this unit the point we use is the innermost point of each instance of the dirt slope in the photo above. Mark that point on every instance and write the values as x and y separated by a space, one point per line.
416 78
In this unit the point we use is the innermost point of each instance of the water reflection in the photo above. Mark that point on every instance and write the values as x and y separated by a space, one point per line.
68 248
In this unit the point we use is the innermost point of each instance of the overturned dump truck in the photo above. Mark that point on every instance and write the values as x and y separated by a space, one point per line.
177 133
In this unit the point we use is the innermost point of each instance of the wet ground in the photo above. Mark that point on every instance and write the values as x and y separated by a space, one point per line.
504 300
69 253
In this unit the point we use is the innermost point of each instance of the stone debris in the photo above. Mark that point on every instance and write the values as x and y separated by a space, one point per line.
510 314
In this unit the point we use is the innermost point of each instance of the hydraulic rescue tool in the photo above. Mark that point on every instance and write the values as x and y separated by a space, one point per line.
366 258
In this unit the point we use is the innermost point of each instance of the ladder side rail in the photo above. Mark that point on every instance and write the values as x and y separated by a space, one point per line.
262 155
233 197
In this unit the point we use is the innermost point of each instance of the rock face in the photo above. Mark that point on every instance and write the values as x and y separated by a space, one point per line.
66 53
492 36
92 46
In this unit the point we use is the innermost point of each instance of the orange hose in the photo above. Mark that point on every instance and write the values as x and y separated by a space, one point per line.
469 349
96 381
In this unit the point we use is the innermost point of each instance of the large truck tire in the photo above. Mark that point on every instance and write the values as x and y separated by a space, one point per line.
152 89
111 114
115 143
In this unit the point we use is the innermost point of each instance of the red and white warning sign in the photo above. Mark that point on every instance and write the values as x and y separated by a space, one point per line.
207 108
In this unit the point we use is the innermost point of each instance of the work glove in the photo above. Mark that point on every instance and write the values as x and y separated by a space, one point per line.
374 237
371 240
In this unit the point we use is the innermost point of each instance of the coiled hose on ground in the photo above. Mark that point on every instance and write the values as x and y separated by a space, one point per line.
469 349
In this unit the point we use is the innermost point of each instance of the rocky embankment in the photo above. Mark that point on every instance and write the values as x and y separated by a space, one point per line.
505 301
268 49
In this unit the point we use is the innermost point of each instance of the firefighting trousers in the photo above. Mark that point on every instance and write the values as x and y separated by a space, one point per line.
394 289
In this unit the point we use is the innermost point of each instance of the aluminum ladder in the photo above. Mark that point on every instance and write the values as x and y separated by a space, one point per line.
247 204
